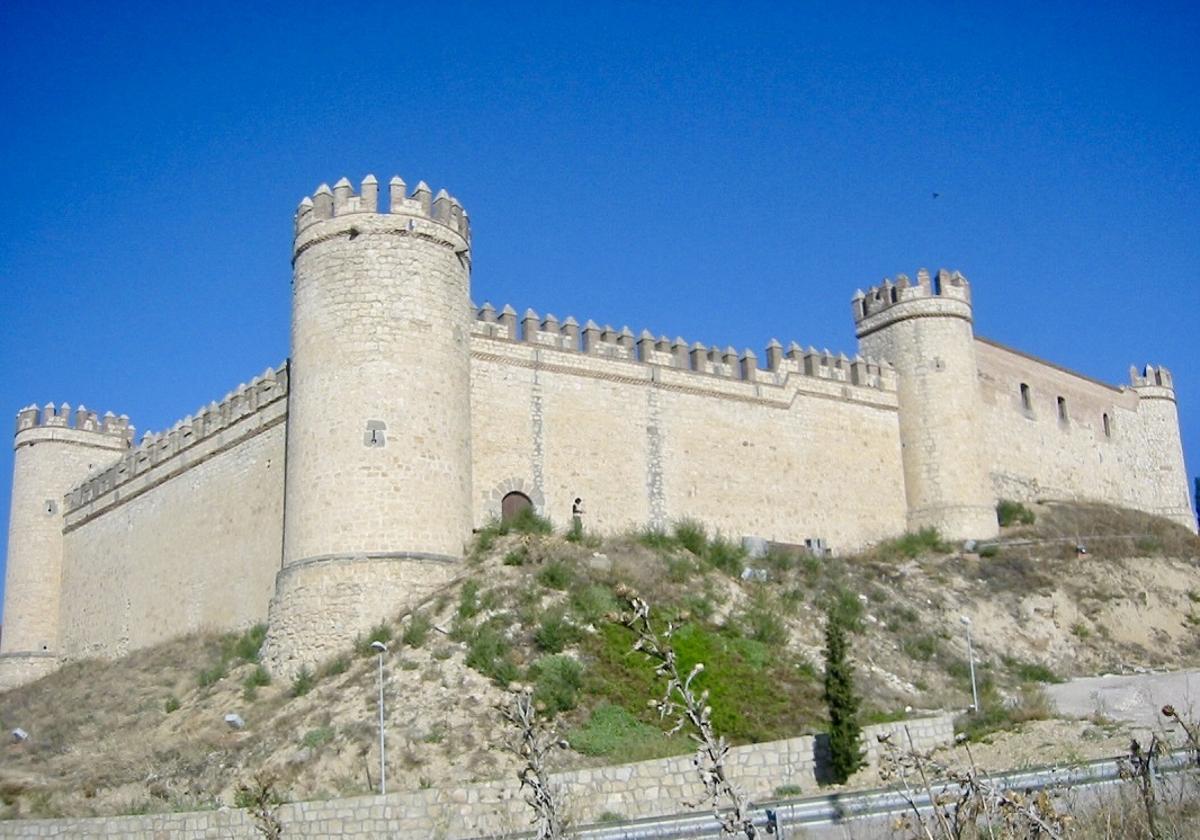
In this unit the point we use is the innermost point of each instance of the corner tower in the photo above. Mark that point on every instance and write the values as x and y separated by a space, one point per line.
1162 467
925 330
377 501
53 452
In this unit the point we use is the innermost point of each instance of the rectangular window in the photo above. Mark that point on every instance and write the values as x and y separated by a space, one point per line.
1107 426
1026 399
1062 409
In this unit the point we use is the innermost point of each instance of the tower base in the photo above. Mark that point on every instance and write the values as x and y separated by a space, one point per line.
957 523
21 667
322 604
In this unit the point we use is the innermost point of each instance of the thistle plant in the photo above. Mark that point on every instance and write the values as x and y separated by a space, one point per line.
533 744
689 710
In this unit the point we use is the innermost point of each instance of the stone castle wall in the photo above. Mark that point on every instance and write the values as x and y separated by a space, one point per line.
758 454
644 789
1045 451
182 533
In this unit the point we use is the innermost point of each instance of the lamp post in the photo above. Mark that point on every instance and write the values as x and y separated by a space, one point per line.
381 649
971 659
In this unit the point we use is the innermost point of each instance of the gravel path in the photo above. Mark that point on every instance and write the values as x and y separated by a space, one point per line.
1136 698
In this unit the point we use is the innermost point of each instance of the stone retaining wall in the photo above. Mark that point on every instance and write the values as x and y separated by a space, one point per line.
643 789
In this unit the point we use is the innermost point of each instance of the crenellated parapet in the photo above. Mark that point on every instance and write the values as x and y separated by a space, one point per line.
156 448
946 293
1153 382
422 203
80 420
607 342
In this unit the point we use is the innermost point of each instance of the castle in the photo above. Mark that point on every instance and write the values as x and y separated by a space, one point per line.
342 485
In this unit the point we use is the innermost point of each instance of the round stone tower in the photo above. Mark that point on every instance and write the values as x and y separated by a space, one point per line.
377 501
1162 473
925 330
52 454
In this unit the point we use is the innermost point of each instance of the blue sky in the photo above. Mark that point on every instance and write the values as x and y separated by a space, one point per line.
728 172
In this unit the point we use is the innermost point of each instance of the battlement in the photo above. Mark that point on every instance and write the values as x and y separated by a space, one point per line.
1151 376
208 421
609 343
327 203
948 285
82 420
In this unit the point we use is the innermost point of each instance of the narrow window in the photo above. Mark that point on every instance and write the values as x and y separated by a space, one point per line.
1026 400
1062 409
1107 426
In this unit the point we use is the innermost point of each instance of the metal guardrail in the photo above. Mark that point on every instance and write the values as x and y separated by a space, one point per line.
837 809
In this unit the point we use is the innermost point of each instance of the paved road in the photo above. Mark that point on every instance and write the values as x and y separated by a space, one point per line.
1136 698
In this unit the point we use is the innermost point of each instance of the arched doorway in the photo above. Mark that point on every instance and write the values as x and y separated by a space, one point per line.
513 504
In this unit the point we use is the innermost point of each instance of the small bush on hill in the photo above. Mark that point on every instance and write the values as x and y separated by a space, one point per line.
557 680
490 653
416 631
171 704
689 534
1030 671
337 665
725 555
657 539
554 633
247 646
995 715
592 603
1013 513
379 633
914 544
556 575
303 683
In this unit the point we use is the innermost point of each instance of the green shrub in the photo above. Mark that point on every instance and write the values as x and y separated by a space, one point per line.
1031 671
557 680
468 599
314 738
416 631
303 683
256 678
1080 630
759 622
556 575
247 645
995 715
516 557
921 648
1013 513
171 704
610 817
680 568
335 666
847 607
489 653
690 534
914 544
725 555
593 603
379 633
989 551
657 539
698 606
528 522
788 790
554 633
212 674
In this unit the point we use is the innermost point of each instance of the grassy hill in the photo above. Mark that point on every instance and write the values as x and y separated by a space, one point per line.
147 732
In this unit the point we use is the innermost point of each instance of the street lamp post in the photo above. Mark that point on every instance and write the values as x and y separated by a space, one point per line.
381 649
971 659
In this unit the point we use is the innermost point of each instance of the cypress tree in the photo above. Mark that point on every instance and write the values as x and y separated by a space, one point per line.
846 754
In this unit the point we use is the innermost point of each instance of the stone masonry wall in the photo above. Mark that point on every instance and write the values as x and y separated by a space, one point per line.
193 542
785 456
1036 453
644 789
